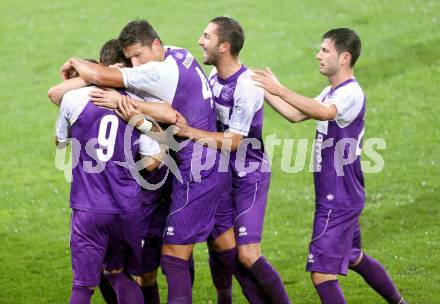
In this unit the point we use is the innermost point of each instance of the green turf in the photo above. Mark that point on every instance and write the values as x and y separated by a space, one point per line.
399 70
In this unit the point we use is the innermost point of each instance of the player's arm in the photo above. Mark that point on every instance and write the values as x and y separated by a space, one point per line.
152 153
223 140
285 109
93 73
308 106
127 107
57 92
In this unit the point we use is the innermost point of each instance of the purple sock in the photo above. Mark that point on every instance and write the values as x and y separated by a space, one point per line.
330 293
80 295
270 281
221 277
151 294
127 290
192 270
376 276
228 259
178 278
107 291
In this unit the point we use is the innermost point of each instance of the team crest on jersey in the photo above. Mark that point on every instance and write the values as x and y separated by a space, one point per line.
170 230
227 92
242 231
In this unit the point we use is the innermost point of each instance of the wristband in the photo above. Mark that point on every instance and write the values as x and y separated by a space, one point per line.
145 126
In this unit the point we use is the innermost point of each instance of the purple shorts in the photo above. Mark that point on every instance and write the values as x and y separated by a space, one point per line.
224 215
100 240
250 198
336 241
153 224
193 207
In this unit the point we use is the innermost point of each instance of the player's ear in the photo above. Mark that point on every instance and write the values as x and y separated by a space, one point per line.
225 47
345 58
156 45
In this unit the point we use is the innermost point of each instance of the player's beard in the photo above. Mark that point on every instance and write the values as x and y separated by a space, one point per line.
330 70
212 56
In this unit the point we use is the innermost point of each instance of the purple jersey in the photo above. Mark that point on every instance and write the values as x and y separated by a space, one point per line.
339 182
239 106
100 183
180 81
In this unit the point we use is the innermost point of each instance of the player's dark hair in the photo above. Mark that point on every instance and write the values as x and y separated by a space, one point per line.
345 40
137 31
111 53
229 30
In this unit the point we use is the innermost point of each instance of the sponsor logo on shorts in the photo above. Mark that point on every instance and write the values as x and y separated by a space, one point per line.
330 197
311 258
242 231
170 230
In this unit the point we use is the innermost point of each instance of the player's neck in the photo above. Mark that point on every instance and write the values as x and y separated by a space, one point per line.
340 77
227 66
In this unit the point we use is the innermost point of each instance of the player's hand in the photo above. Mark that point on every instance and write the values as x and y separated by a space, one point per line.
105 97
127 109
267 80
66 70
181 128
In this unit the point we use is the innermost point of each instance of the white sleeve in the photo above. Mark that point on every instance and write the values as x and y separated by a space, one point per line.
322 94
148 146
157 78
62 126
72 105
248 99
349 103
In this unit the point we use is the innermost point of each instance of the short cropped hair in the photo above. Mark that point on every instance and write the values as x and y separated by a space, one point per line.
345 40
111 53
229 30
137 31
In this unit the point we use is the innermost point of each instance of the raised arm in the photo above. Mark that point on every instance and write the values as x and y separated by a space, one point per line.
285 109
228 141
93 73
308 106
57 92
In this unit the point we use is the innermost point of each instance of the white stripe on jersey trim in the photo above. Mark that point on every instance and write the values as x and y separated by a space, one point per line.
325 228
253 203
238 132
186 203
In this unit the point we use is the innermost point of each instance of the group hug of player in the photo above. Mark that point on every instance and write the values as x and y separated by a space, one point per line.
208 180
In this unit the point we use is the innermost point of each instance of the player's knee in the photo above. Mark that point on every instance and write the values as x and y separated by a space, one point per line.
248 257
357 261
147 279
318 277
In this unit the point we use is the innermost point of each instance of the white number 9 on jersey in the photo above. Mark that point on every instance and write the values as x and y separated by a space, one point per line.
107 144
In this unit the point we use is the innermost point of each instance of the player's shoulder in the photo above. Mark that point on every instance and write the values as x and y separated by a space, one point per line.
351 90
75 97
245 85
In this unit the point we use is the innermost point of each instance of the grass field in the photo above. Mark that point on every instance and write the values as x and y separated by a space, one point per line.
399 71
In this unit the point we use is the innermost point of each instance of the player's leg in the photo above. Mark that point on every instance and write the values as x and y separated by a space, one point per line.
250 200
125 250
191 219
373 272
88 243
328 288
176 268
329 251
107 291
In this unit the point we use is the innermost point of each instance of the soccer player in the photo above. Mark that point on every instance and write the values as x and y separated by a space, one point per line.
104 197
239 106
339 184
172 75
